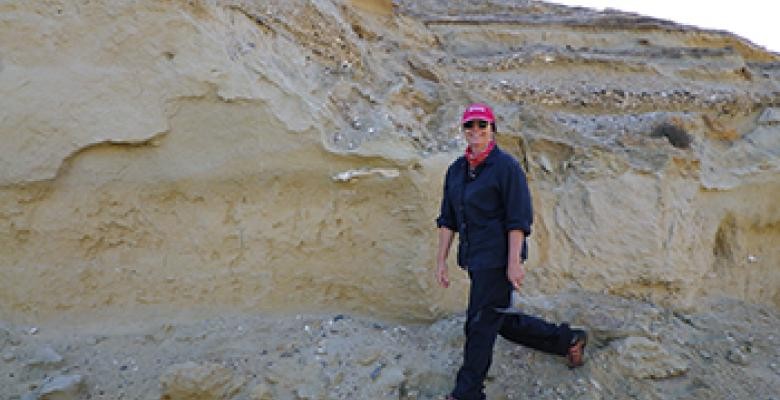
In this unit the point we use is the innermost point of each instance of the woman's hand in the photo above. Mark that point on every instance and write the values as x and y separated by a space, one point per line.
514 269
445 241
515 272
442 275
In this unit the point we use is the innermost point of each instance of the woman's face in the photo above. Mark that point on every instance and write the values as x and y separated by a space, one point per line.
478 133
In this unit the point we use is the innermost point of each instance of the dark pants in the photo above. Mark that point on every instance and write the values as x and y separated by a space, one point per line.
490 289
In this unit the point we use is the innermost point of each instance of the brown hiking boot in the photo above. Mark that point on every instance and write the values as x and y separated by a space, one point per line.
575 356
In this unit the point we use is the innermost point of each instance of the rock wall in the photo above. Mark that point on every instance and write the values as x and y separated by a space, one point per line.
288 155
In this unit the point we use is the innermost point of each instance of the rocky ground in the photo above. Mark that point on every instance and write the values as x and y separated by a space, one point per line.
637 351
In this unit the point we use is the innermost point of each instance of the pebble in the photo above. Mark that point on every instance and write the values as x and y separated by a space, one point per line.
45 356
8 357
93 340
736 356
64 387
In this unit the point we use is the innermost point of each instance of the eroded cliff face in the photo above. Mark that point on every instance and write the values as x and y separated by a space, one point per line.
288 155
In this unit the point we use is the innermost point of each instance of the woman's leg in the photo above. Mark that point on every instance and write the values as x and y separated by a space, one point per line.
487 292
537 333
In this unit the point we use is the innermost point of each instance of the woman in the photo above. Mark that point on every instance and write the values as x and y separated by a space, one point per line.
487 202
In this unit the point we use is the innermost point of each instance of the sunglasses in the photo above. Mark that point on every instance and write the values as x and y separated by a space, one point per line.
470 124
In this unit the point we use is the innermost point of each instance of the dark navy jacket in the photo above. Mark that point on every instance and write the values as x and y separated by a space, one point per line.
484 206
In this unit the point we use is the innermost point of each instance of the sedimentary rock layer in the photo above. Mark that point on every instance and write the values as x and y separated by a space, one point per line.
194 153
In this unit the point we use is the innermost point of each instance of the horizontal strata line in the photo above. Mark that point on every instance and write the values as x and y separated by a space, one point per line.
473 62
600 24
543 20
650 51
764 65
575 65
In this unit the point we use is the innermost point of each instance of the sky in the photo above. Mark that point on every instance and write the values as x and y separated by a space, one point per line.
754 20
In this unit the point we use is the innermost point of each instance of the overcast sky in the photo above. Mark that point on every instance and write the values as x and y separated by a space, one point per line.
755 20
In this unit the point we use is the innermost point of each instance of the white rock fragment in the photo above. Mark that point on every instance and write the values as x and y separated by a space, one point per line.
45 356
545 163
774 367
770 116
347 176
66 387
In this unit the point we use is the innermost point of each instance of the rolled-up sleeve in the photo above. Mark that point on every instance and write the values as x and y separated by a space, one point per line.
447 213
517 200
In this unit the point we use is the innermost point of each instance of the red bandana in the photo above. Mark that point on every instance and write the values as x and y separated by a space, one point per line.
476 159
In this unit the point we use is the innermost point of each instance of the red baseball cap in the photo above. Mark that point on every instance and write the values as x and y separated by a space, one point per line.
478 111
